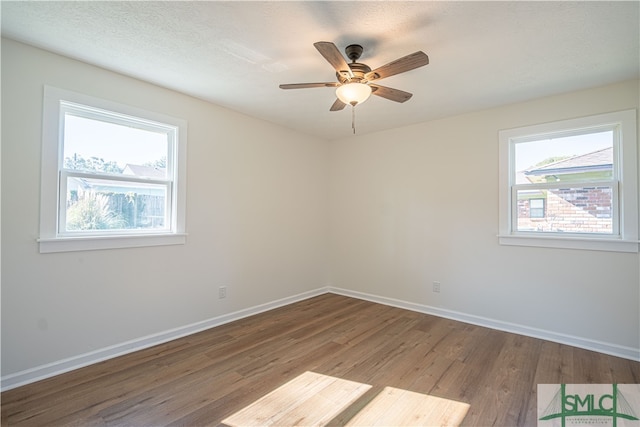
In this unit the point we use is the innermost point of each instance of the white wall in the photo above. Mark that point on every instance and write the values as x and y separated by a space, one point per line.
256 219
420 204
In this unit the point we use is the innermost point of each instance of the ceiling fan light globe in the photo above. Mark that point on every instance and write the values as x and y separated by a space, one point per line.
353 93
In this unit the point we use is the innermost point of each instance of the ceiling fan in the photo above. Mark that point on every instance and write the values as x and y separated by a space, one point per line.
354 85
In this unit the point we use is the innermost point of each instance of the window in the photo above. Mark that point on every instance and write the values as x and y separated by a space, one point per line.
112 176
571 184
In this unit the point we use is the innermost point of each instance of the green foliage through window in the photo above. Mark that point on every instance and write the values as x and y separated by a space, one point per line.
92 164
91 212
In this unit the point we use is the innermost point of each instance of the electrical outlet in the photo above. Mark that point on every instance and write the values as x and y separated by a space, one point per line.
436 287
222 292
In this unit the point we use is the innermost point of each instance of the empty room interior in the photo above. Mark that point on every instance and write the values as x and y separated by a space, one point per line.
318 213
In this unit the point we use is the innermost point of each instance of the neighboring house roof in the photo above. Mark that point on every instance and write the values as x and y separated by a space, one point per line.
600 160
140 171
144 171
521 178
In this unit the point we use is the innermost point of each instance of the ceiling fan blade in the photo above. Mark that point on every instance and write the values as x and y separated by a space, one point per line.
396 95
337 106
406 63
308 85
334 57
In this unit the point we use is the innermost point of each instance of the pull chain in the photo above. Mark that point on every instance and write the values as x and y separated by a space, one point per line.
353 117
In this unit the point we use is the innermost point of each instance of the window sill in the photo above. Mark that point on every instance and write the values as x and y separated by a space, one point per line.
71 244
583 243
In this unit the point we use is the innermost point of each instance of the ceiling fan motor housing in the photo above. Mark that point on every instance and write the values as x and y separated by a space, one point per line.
358 69
354 51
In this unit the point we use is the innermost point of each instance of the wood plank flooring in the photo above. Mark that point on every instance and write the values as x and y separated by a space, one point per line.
201 379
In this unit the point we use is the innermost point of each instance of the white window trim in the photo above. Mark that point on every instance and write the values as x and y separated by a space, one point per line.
52 241
627 160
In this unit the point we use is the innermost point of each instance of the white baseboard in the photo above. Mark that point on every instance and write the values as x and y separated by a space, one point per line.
585 343
61 366
65 365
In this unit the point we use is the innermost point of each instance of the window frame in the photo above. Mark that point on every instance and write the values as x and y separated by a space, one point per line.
57 102
624 237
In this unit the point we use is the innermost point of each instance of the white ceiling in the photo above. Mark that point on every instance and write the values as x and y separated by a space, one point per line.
236 53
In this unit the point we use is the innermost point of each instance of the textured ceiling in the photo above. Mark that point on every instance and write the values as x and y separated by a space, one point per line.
235 54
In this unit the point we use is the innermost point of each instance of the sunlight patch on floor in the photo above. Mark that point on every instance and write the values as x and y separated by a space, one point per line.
397 407
309 399
316 399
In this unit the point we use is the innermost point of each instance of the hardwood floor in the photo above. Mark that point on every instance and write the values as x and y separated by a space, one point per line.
203 378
